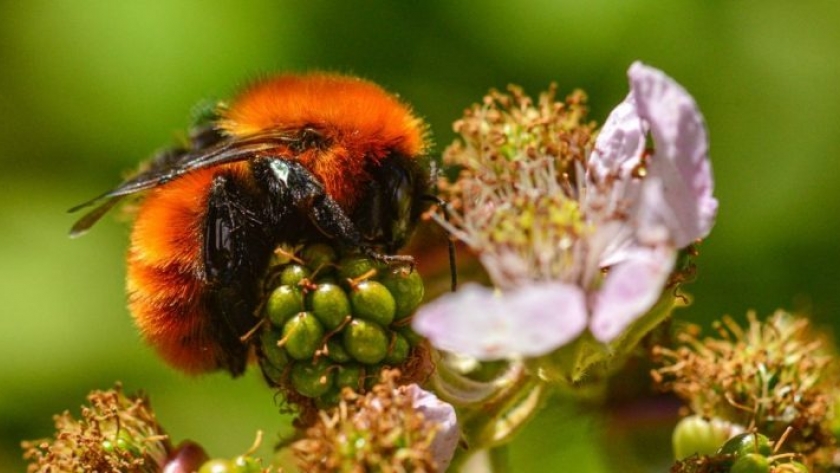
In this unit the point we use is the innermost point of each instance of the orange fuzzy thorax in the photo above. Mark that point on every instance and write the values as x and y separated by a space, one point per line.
359 120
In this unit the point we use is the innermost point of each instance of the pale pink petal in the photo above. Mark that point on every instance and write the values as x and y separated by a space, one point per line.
524 322
443 416
611 189
620 142
679 172
630 289
548 315
471 321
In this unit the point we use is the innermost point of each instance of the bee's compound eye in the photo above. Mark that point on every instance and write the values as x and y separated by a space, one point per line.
402 200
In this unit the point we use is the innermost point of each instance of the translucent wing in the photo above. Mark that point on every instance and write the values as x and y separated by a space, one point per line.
175 163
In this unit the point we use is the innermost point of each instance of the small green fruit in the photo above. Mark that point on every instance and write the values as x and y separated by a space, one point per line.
751 463
284 302
694 434
372 301
274 354
336 351
406 286
303 335
293 274
318 256
217 465
330 304
311 380
355 266
743 444
366 341
397 350
246 464
349 376
413 337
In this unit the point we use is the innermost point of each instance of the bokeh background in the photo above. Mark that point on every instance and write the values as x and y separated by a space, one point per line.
89 88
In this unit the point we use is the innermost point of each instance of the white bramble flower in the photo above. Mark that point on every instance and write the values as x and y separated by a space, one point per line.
575 234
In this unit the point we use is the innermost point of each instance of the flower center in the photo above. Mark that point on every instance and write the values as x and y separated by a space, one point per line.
516 198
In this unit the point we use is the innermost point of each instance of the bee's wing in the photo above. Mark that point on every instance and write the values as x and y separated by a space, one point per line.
161 172
83 224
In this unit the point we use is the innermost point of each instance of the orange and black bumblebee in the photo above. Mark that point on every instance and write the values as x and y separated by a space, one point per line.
292 159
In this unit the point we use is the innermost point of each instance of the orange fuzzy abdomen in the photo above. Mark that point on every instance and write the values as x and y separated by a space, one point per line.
165 279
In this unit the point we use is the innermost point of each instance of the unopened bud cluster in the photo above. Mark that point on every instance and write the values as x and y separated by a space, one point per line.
743 453
380 431
115 433
770 375
335 321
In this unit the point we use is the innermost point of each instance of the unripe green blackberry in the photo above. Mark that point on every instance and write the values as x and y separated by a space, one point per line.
334 321
792 467
302 336
284 302
336 351
397 350
240 464
329 304
406 286
217 465
751 463
350 375
366 341
372 301
318 256
294 274
410 335
355 266
247 464
743 444
697 435
311 379
273 374
274 358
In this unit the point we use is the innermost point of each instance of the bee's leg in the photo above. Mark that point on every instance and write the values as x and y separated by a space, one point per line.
290 182
235 254
333 222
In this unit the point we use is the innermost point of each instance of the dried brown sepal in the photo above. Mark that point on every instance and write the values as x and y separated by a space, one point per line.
767 376
116 433
377 431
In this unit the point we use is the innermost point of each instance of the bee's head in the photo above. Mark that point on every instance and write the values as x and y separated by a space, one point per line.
392 202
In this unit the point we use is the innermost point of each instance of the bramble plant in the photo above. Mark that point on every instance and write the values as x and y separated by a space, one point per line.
587 236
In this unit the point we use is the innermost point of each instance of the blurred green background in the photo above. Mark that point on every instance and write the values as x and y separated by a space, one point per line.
89 88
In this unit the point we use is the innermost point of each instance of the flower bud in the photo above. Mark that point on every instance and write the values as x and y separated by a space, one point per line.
696 435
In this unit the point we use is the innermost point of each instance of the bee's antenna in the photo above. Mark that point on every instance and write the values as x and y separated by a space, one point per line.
445 206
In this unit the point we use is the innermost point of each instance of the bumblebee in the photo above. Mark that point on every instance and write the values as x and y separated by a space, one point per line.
292 159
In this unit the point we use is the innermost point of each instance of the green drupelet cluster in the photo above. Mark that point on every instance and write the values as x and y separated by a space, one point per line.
336 320
743 453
